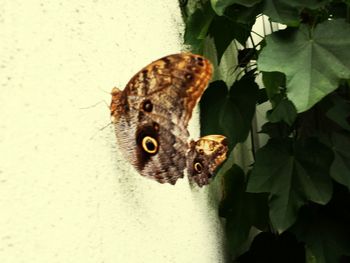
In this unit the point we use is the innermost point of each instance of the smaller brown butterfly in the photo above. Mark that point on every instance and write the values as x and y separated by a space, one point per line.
204 156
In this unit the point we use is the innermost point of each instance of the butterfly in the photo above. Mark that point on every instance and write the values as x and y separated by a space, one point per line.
204 156
151 114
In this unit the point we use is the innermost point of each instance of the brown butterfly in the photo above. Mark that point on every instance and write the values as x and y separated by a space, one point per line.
152 113
204 156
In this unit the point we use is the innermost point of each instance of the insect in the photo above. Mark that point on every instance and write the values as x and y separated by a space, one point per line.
151 114
204 156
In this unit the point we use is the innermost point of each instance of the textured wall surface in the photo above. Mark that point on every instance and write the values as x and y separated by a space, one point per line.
66 194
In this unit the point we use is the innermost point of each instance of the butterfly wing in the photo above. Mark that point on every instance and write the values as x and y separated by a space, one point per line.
151 114
204 156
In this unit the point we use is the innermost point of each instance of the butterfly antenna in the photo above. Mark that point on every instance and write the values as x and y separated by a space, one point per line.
99 130
108 92
94 105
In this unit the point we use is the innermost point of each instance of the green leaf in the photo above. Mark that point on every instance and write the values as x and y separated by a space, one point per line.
242 14
197 26
281 12
235 24
273 81
309 256
242 210
288 12
220 5
225 30
340 113
311 4
276 130
292 172
338 9
262 97
313 61
223 71
229 112
325 235
210 105
284 111
321 236
237 113
245 56
340 169
271 248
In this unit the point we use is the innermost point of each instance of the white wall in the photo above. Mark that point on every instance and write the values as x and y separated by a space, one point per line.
66 194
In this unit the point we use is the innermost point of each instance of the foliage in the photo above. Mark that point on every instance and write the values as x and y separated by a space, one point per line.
292 204
324 61
232 111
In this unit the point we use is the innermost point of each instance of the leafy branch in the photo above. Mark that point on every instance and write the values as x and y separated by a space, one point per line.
297 187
